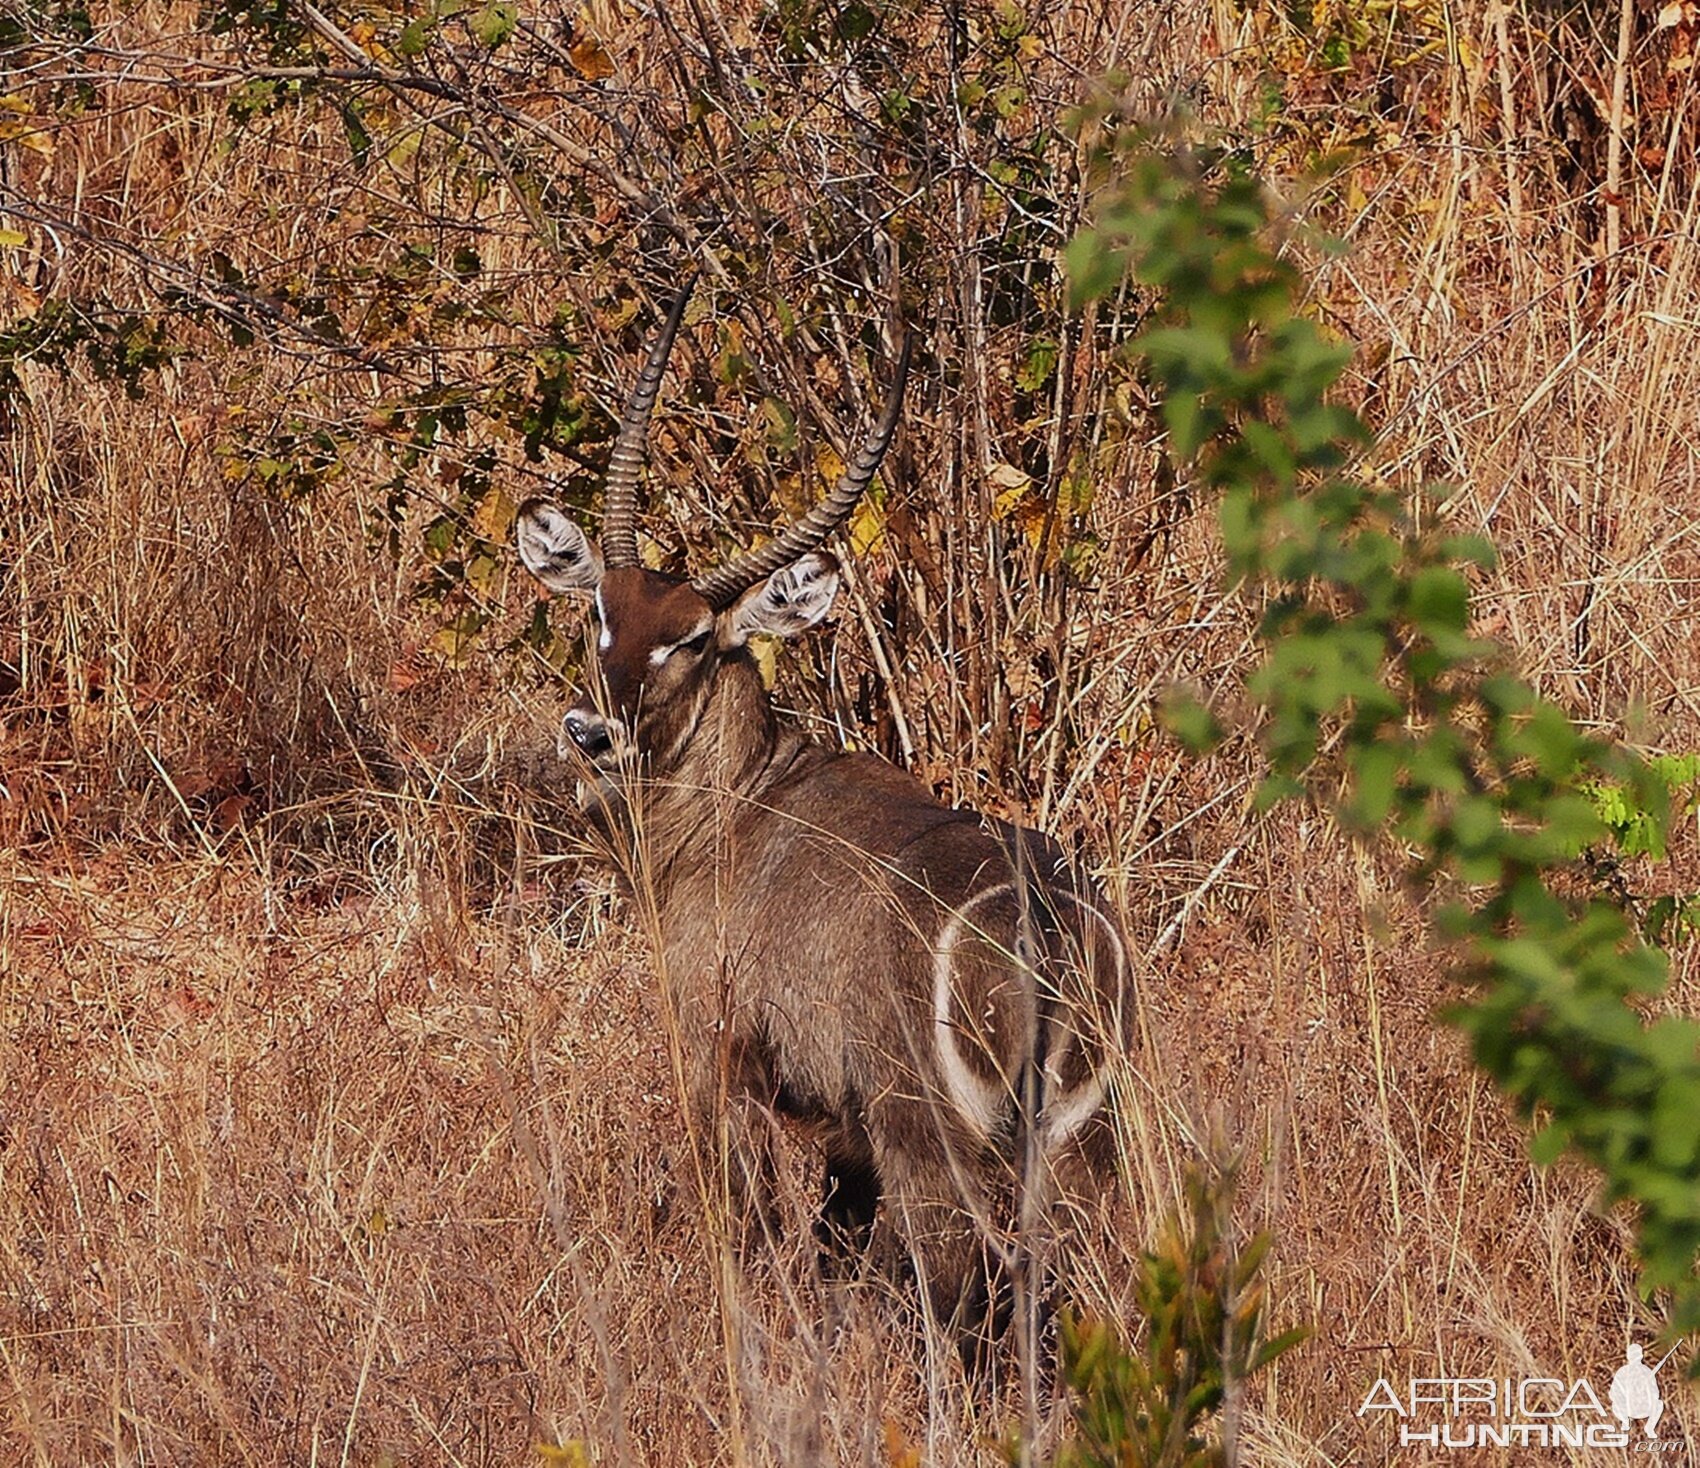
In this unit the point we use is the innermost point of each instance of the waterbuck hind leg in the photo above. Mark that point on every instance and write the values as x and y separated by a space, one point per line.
983 1315
949 1261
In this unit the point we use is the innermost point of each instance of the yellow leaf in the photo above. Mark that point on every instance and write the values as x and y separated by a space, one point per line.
867 529
403 149
493 520
1031 517
570 1454
36 139
13 239
829 465
481 572
1011 486
16 102
732 364
452 645
899 1451
586 53
788 490
765 650
621 314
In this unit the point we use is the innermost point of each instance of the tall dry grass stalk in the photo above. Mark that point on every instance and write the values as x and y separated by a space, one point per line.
339 1115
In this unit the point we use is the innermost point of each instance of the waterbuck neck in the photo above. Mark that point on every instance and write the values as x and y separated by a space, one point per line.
730 758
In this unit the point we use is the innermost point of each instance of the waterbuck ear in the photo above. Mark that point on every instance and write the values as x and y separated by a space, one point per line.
554 549
793 598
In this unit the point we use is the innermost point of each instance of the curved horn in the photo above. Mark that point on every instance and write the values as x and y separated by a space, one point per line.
721 586
625 464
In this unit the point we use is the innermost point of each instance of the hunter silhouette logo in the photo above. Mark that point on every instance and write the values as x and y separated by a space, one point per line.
1635 1392
1527 1412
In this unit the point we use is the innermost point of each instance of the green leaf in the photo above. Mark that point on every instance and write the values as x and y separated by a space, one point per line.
1186 354
1439 599
1184 413
1475 822
1547 1145
1041 363
1280 1344
359 139
493 24
440 537
1190 721
1094 267
1551 740
1376 767
1431 734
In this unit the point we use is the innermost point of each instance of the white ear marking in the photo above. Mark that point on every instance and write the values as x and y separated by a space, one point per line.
792 599
554 549
605 638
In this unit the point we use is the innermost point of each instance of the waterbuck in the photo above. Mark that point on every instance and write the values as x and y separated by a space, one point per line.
929 991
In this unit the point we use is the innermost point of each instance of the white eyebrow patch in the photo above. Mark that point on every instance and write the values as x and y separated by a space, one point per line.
660 655
606 640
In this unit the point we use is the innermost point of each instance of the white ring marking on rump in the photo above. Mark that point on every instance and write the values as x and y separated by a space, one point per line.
977 1101
1062 1121
981 1104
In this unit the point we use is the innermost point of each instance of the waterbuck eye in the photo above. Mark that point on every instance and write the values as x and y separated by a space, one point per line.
693 645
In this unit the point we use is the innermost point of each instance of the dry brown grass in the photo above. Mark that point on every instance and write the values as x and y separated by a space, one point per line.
337 1112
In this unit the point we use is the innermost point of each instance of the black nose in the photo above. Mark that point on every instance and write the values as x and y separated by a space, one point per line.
589 732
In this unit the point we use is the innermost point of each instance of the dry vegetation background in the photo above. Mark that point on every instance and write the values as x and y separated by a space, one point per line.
337 1114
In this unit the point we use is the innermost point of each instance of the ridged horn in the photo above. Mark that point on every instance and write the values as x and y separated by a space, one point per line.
625 464
722 586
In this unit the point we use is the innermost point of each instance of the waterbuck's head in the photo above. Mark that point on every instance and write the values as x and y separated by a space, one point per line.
662 644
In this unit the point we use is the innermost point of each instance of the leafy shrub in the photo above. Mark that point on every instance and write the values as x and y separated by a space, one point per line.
1171 1403
1379 703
